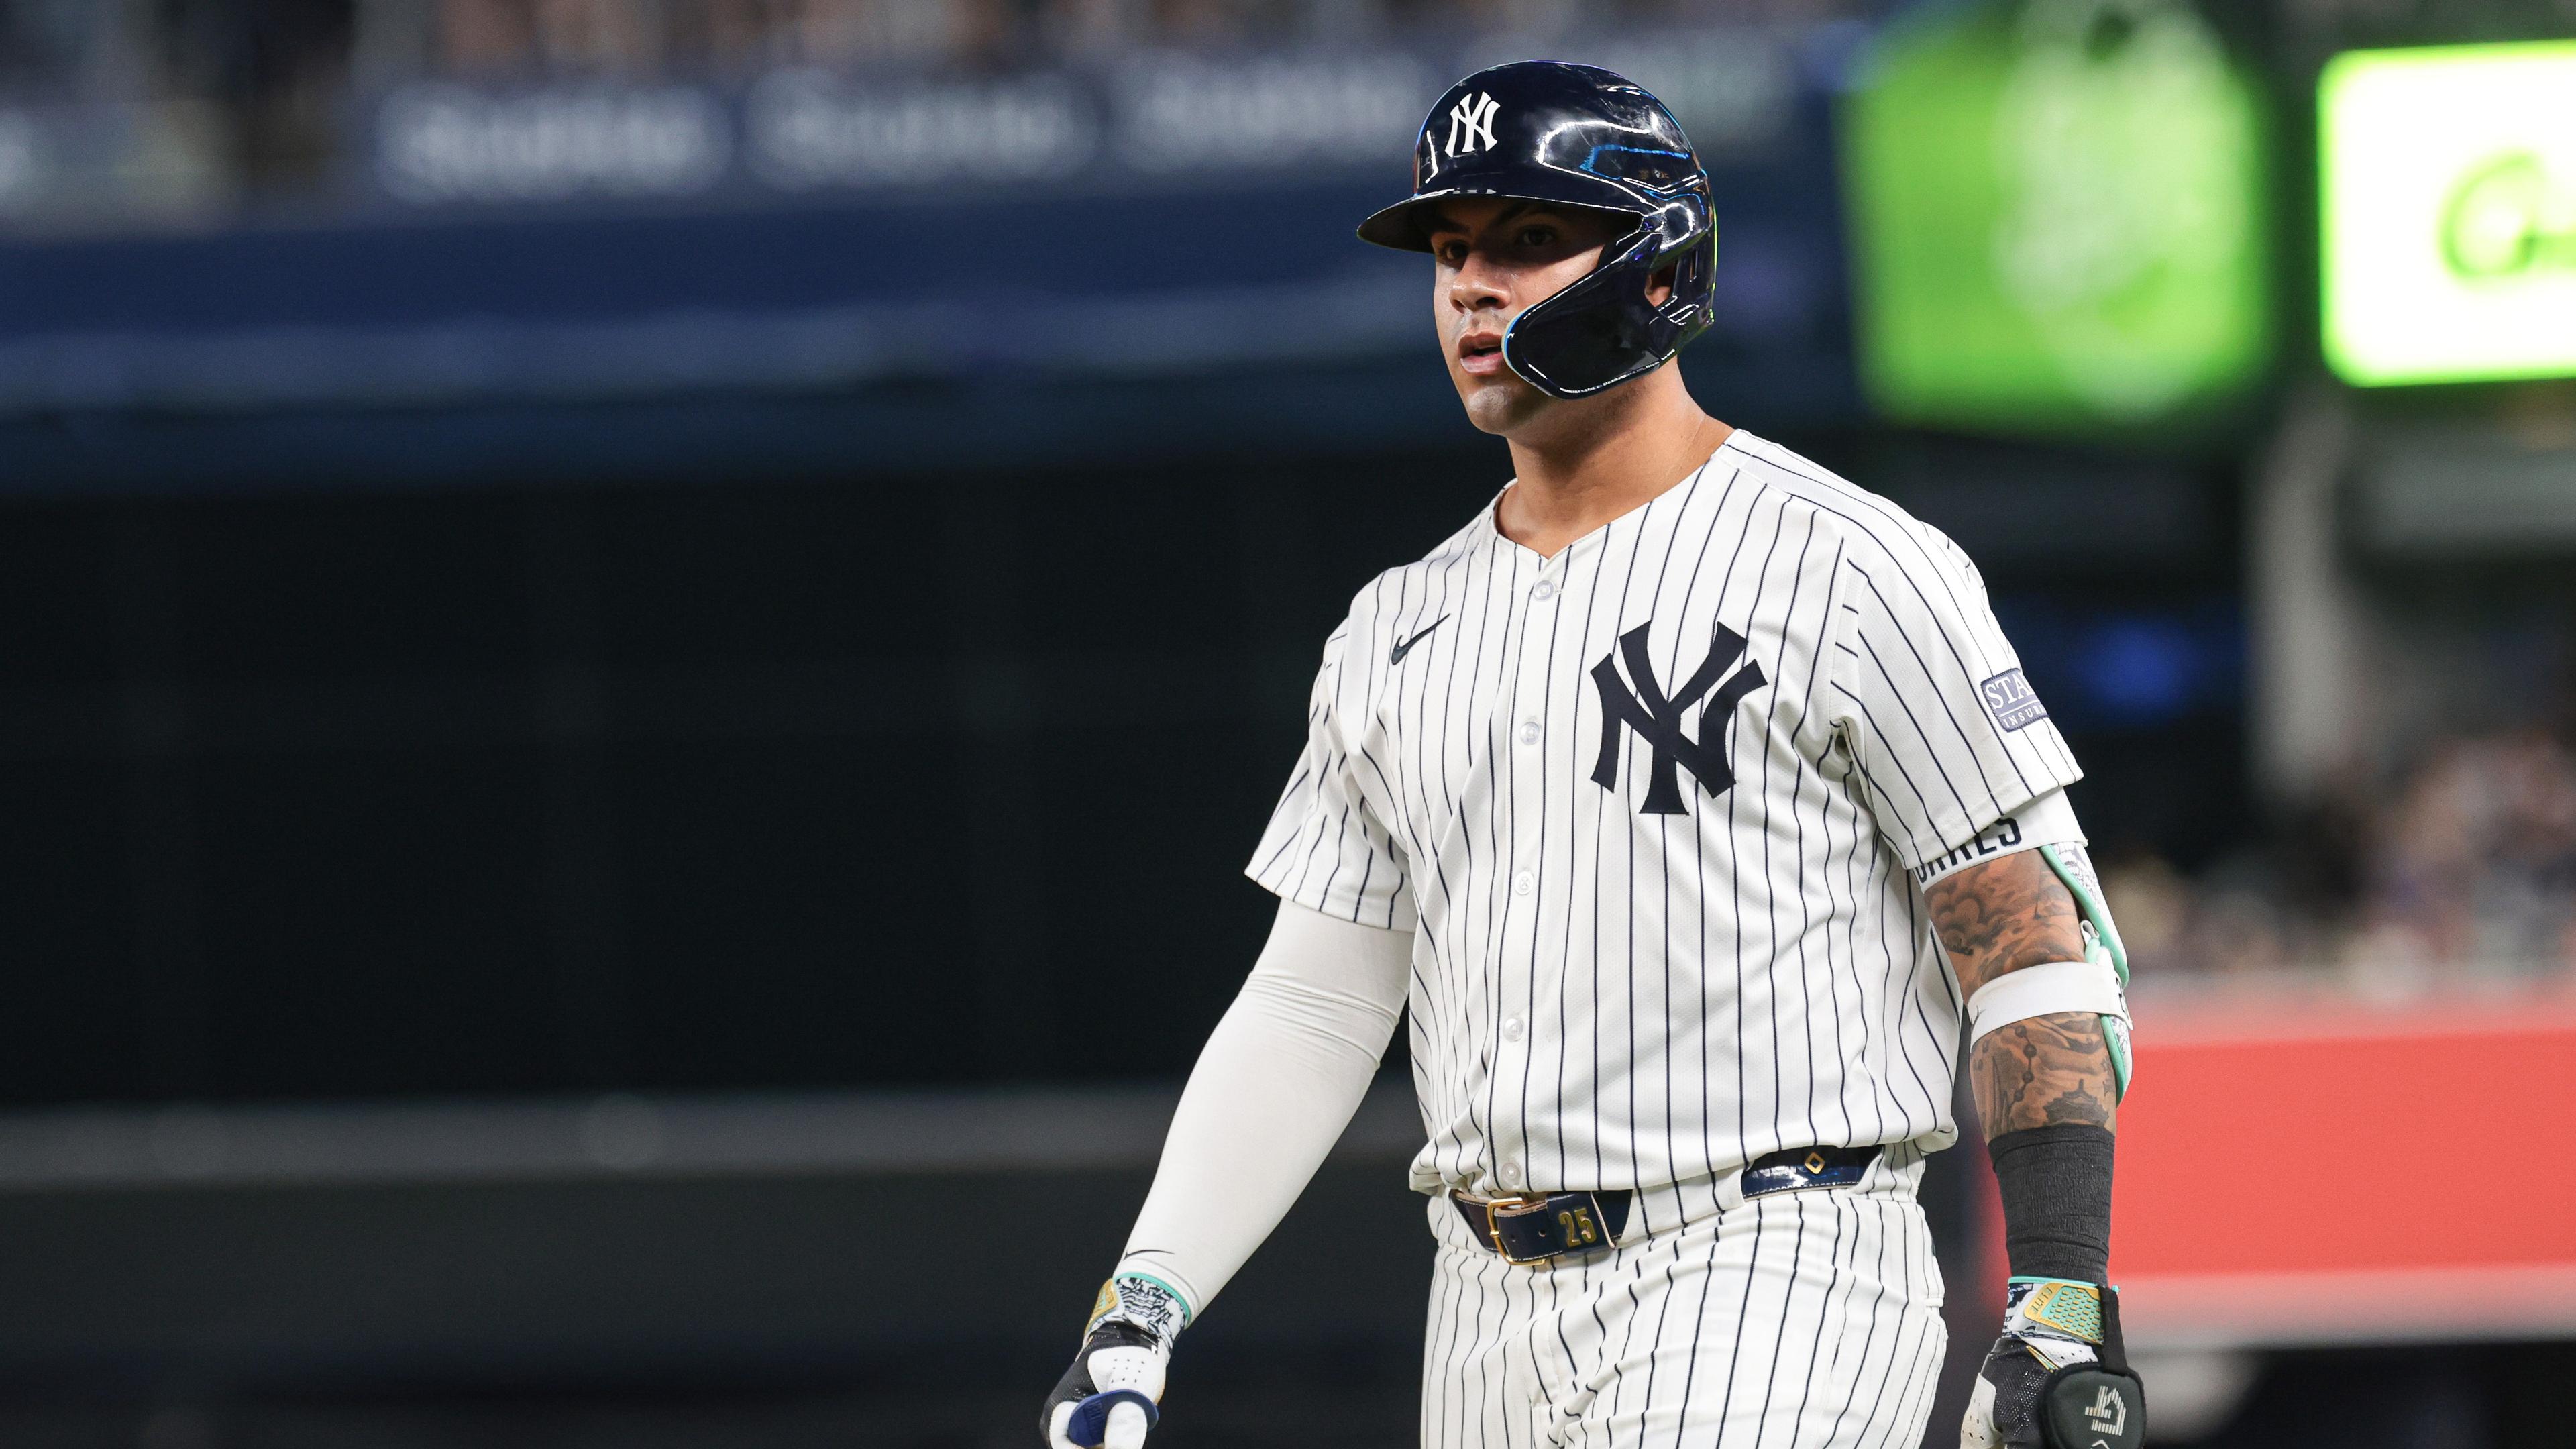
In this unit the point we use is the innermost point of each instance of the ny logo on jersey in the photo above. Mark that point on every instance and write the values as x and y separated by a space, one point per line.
1657 718
1471 123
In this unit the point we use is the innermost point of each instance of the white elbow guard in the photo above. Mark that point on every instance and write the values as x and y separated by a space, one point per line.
2045 990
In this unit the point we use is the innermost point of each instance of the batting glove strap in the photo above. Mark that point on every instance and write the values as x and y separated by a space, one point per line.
1141 1299
2088 1406
2020 1403
2063 1322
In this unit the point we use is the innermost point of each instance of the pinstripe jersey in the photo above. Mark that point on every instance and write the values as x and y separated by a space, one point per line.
1652 809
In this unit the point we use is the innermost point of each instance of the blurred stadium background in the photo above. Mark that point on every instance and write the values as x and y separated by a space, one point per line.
640 641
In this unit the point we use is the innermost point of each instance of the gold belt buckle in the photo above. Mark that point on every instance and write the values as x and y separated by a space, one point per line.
1494 1232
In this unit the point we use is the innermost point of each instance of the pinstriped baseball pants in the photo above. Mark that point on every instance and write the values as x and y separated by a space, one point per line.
1800 1320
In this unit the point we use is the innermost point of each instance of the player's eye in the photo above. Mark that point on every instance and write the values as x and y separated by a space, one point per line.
1537 238
1452 252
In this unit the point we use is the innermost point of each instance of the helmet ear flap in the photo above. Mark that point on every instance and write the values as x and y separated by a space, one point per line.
1587 337
1607 327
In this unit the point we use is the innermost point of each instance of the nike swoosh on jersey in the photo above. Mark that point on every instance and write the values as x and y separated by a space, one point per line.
1395 656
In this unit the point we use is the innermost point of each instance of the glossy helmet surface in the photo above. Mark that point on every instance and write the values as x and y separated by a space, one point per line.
1575 135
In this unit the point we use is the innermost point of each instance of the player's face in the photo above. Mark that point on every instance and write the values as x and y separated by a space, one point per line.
1493 259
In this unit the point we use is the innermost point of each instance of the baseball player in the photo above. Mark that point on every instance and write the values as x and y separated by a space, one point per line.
1694 806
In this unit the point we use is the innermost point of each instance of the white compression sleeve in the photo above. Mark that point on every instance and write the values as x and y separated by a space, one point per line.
1273 1089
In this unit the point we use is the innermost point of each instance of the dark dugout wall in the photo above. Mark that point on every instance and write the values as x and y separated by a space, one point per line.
915 779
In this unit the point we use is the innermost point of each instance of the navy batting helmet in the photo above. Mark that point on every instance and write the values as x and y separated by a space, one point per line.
1575 135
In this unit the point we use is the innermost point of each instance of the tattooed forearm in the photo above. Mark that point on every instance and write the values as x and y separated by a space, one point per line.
2005 914
2041 1072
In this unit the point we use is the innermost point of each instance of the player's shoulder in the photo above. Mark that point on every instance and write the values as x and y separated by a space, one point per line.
1871 529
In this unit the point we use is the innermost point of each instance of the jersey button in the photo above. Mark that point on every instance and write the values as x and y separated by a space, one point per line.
1522 884
1512 1028
1511 1174
1544 592
1529 732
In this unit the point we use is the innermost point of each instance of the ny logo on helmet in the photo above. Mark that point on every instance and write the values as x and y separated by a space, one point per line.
1471 123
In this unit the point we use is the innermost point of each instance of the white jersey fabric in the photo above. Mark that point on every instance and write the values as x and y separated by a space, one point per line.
1653 811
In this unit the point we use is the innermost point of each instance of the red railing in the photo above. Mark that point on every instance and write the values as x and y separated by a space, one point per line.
2303 1169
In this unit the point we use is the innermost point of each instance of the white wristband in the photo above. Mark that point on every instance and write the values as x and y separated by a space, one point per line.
2044 990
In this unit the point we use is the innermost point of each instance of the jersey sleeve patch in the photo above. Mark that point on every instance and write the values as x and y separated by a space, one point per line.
2011 700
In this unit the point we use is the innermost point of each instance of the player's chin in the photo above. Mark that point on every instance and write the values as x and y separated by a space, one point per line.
1498 405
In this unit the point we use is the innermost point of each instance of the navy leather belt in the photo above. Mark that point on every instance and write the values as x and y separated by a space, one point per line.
1794 1168
1538 1227
1535 1229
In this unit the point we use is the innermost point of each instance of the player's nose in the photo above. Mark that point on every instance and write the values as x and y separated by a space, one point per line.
1476 287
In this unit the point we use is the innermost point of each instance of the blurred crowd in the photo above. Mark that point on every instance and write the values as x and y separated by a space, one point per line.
62 46
195 103
738 35
2459 870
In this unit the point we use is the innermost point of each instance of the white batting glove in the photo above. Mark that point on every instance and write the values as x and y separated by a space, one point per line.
1111 1395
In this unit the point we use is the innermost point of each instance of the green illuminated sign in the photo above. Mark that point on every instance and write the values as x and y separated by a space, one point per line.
2449 211
2056 216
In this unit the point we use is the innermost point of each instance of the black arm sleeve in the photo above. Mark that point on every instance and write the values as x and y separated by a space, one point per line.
2056 1186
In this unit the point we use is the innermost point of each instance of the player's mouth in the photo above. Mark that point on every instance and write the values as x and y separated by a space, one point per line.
1480 353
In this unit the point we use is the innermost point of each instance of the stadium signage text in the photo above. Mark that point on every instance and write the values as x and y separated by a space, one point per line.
1152 116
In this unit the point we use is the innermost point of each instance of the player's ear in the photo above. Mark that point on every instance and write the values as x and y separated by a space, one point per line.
1659 287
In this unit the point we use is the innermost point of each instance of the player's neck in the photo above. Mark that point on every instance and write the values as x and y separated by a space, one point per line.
1605 461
